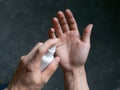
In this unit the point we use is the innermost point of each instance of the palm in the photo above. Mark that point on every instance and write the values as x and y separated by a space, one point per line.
72 50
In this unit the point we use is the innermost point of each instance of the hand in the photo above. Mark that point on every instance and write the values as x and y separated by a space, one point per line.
72 48
28 75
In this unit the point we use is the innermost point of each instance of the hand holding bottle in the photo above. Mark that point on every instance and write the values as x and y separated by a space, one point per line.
28 75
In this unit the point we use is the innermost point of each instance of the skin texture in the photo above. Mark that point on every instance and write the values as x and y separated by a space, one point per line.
72 48
28 75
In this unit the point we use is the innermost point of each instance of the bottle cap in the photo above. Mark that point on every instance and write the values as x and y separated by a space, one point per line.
51 51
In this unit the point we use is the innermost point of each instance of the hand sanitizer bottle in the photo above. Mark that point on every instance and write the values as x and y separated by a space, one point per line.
47 58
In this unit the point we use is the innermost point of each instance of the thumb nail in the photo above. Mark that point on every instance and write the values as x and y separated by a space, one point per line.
57 60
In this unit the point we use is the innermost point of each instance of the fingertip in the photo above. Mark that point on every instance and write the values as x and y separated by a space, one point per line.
68 10
59 12
60 15
57 60
48 44
52 30
88 28
91 26
55 40
87 33
54 19
68 13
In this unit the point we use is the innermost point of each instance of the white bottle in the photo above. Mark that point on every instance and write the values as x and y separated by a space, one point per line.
47 58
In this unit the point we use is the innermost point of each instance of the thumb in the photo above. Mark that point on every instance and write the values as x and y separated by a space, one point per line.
51 68
87 33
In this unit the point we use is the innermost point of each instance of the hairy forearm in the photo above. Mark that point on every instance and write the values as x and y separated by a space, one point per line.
76 79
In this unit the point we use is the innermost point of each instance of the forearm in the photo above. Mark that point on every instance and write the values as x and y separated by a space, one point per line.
76 79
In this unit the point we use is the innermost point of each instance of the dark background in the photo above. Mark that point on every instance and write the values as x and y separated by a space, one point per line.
23 23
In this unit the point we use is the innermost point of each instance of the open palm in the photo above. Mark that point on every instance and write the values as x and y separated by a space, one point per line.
72 48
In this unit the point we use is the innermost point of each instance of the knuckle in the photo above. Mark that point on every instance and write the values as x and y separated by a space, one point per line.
45 80
39 50
22 59
29 68
39 44
37 84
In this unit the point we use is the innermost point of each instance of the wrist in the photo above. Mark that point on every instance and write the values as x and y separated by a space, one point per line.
76 79
18 86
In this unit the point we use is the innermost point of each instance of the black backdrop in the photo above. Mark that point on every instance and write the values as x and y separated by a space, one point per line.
23 23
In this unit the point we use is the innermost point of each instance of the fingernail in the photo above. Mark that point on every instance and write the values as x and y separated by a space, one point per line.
91 25
57 60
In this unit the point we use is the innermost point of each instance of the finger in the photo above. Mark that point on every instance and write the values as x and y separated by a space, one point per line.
51 68
31 54
71 20
44 48
52 33
87 33
63 21
57 27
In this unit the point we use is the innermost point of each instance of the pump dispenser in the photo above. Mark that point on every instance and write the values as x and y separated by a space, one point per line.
47 58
